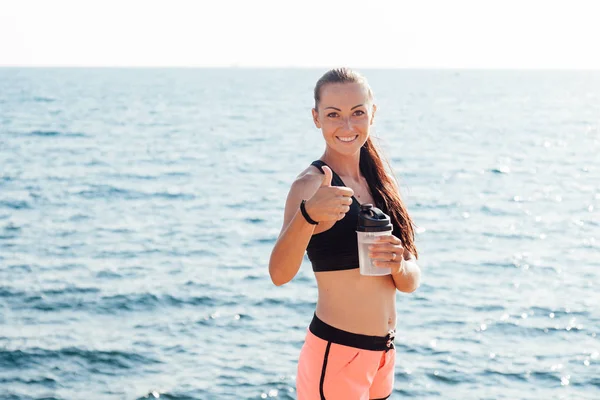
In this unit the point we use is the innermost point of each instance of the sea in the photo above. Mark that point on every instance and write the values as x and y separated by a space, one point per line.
139 207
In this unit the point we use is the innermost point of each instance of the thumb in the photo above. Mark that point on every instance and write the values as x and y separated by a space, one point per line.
327 177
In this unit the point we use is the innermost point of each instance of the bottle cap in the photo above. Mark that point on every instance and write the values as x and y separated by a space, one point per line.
372 219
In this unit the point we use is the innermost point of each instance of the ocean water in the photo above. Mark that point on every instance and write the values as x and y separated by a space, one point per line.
138 209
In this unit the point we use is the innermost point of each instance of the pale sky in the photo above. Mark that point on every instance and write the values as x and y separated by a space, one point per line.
303 33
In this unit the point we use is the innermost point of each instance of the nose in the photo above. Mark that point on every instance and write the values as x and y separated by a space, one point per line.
347 123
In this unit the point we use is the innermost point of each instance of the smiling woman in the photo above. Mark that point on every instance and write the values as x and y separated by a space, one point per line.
334 120
349 351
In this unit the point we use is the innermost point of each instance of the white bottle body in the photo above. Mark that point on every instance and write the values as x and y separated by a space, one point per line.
366 267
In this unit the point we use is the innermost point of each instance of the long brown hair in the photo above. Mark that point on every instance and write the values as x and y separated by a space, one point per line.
381 184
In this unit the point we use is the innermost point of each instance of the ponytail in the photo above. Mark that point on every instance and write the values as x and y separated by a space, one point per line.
386 195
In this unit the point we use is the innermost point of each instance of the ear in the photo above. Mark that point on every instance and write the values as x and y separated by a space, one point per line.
373 111
315 116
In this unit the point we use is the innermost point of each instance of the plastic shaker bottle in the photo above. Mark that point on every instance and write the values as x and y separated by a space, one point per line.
372 222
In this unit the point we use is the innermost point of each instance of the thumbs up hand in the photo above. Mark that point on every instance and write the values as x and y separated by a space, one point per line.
327 177
329 203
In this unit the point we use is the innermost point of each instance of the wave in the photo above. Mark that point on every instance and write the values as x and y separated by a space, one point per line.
500 170
15 204
169 396
514 376
512 328
172 196
148 301
46 382
8 292
449 378
488 210
43 99
34 357
109 191
87 299
433 206
70 290
40 133
516 236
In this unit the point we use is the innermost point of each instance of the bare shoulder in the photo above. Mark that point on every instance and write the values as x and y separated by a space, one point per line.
307 182
304 187
310 173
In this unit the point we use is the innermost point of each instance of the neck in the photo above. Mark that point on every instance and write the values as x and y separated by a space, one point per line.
343 164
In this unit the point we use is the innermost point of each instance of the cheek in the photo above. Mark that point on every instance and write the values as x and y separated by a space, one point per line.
329 126
328 132
362 125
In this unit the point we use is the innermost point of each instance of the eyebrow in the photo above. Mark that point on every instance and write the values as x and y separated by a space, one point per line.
337 109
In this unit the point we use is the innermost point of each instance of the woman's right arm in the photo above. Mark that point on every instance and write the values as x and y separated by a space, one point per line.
288 253
325 203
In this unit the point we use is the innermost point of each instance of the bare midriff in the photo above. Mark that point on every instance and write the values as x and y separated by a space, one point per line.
357 303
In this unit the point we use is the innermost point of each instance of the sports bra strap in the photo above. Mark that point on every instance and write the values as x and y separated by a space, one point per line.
335 179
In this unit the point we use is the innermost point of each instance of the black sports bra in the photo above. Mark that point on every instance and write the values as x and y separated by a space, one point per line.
336 249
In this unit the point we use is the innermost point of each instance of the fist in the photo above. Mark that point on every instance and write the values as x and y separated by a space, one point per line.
329 203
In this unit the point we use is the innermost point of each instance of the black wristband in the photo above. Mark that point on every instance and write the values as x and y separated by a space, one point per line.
305 214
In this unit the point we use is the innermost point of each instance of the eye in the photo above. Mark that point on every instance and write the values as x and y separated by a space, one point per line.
358 113
332 115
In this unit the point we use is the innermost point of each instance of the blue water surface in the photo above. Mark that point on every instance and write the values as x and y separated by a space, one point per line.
138 209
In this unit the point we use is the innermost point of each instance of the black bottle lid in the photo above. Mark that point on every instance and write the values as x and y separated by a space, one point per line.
372 219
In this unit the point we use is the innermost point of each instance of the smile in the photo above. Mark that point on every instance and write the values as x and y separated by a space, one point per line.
347 139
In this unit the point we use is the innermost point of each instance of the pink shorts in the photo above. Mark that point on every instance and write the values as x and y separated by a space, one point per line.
339 365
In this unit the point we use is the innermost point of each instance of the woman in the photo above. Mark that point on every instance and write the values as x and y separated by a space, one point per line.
348 352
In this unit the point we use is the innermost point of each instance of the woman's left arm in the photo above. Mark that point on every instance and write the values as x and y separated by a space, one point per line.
405 270
408 278
388 252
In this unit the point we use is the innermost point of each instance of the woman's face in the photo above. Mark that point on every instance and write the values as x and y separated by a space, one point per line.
344 115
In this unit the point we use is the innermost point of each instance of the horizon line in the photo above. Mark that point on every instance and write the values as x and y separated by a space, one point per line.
455 68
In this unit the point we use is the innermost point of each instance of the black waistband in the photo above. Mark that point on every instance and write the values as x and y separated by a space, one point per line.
331 334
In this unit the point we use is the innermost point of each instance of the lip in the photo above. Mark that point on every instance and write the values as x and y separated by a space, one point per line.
346 142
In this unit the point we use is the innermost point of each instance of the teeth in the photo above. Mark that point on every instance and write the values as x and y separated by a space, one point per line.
347 139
